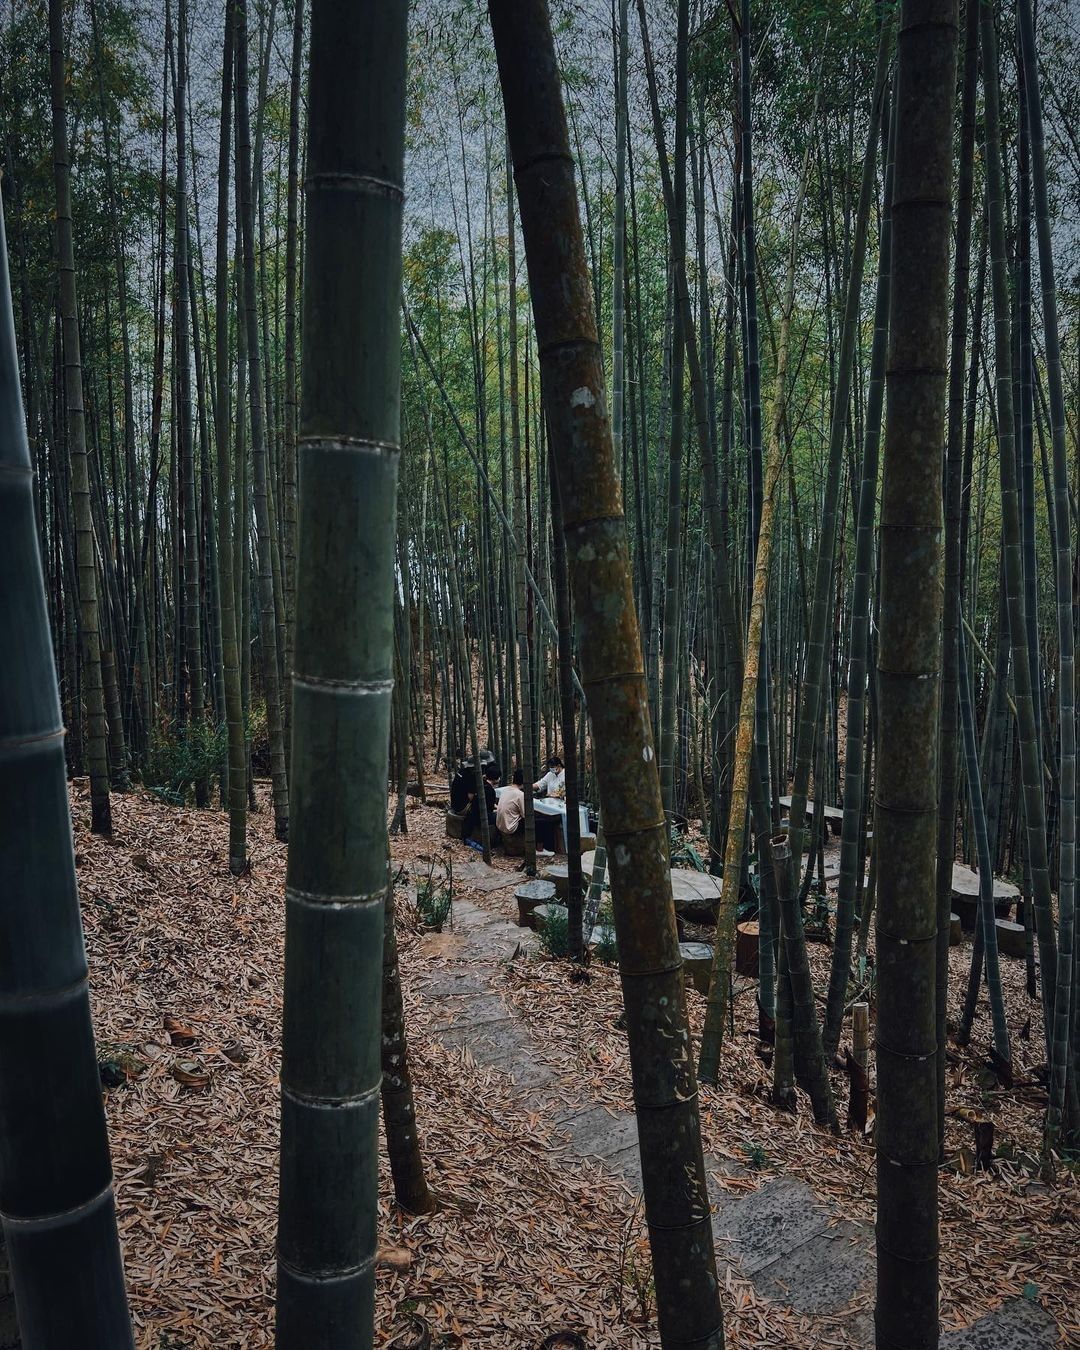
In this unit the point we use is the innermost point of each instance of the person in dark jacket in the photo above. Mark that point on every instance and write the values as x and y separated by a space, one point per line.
463 783
472 815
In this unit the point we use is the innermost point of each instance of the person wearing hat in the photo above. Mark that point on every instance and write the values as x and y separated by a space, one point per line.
472 826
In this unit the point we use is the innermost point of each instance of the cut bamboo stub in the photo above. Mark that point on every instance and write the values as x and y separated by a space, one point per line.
747 948
858 1067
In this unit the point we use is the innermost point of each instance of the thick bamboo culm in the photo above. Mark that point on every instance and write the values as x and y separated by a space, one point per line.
905 813
665 1090
56 1195
348 452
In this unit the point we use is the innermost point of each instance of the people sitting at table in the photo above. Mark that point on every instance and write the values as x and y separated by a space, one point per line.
553 783
463 782
462 786
510 815
472 814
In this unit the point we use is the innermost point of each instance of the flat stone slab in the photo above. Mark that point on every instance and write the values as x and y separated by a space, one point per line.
471 1011
501 1045
626 1164
824 1273
965 881
696 894
485 936
1019 1324
468 917
693 892
481 877
597 1133
833 815
766 1224
965 895
442 984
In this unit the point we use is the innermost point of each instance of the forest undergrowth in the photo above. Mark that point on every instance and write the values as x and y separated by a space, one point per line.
186 969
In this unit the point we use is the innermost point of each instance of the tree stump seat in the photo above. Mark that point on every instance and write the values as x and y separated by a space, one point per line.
1011 939
455 825
697 959
965 895
529 896
747 939
542 913
559 875
514 844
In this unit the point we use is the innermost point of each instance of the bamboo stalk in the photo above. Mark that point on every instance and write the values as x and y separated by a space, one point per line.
56 1194
905 818
336 882
665 1090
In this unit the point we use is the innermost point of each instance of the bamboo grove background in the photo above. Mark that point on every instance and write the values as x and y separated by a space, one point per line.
734 172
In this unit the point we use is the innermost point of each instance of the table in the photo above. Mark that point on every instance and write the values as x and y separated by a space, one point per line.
556 807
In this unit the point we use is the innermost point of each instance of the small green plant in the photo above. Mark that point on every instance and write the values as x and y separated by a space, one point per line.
257 734
755 1156
683 853
117 1065
174 763
555 934
640 1279
606 947
434 901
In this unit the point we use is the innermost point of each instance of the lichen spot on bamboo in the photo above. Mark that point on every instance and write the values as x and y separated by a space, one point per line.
647 754
583 397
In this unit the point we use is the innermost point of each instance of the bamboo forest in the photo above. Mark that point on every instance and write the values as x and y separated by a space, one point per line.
539 591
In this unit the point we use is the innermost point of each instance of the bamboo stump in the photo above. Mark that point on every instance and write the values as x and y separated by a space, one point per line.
859 1067
746 949
530 895
697 959
956 930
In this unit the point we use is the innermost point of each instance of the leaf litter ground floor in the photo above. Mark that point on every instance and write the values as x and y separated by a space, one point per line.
523 1102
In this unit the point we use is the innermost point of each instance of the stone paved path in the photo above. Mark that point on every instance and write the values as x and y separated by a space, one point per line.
796 1250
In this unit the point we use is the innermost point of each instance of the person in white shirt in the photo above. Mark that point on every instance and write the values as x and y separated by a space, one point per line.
554 781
